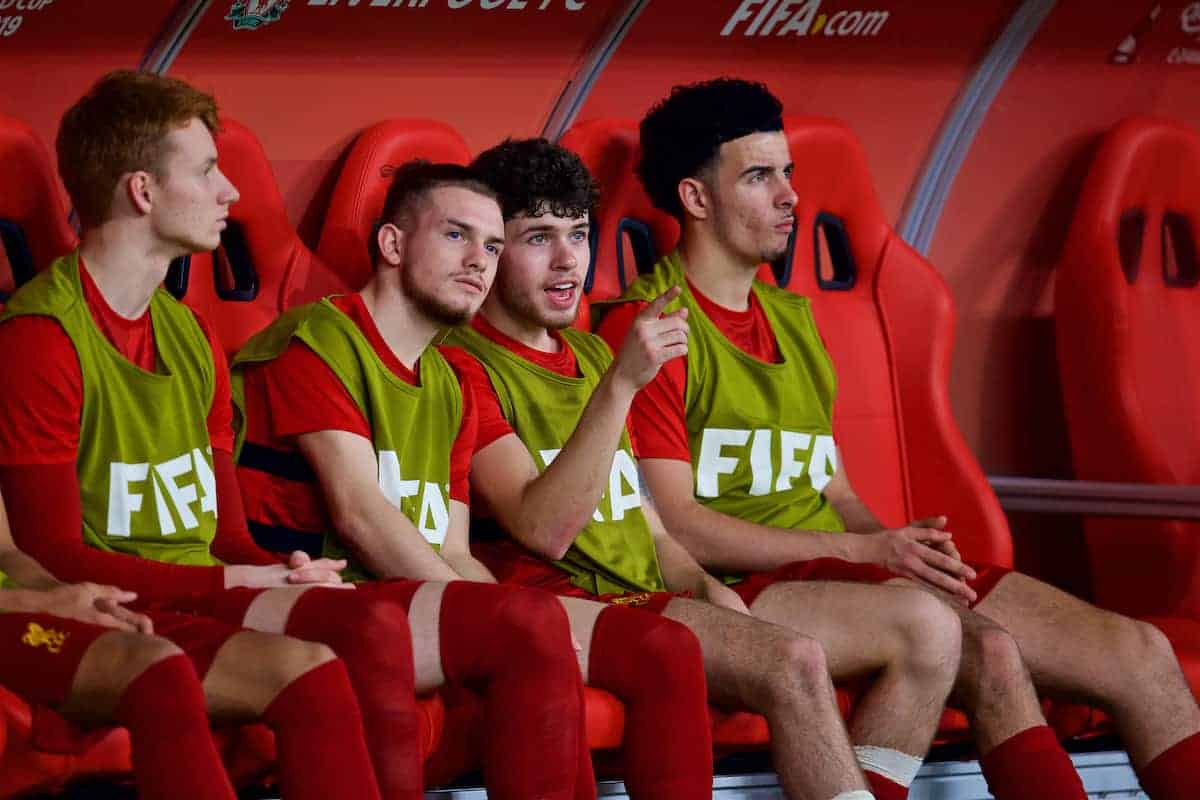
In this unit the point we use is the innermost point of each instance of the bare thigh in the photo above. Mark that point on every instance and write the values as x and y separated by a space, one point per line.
859 625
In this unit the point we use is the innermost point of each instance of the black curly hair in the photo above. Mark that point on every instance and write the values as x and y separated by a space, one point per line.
682 134
535 176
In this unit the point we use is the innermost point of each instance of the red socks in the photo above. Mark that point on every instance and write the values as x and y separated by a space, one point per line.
1032 764
513 645
655 667
319 736
173 751
371 636
1174 774
883 788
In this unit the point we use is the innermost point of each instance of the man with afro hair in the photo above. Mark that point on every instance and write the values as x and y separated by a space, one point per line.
714 156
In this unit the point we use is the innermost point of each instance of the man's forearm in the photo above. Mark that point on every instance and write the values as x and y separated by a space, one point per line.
560 501
25 571
22 601
390 546
719 541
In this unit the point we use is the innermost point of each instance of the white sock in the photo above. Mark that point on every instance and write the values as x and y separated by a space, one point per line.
894 765
857 794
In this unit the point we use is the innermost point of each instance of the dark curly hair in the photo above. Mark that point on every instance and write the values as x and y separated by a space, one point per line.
534 176
682 134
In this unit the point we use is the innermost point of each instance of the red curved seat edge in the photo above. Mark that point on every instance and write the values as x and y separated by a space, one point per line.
944 476
362 184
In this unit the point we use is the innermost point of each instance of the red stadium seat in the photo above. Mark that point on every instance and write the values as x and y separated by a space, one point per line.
262 268
363 182
33 212
1128 316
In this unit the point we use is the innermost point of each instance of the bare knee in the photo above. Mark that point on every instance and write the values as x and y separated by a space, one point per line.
931 632
1142 647
292 658
792 663
992 655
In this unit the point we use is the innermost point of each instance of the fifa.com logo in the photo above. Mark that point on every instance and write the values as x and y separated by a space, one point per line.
801 18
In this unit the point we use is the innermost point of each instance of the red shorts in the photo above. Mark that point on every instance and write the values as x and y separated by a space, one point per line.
834 569
39 654
513 564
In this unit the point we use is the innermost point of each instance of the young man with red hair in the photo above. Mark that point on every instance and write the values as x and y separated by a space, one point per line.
116 458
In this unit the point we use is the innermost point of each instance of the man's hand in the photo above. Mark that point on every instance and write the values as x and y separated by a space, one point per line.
717 593
274 576
654 338
920 553
306 569
938 523
95 605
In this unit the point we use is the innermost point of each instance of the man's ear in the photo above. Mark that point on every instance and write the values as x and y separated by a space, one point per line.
695 197
390 240
139 188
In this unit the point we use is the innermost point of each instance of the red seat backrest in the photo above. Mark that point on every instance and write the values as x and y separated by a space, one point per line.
1128 323
362 186
32 206
260 246
883 311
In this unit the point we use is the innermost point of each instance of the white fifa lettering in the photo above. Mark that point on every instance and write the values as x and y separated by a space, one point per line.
801 22
760 462
121 501
742 14
394 488
784 12
435 516
712 463
208 482
823 463
790 467
624 472
182 497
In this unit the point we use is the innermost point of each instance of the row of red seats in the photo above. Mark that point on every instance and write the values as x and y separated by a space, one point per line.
884 312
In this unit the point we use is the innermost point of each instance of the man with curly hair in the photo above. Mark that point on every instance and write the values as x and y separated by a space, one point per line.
359 436
555 470
714 156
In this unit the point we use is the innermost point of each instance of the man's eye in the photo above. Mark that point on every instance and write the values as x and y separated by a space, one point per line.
455 235
494 249
579 236
537 238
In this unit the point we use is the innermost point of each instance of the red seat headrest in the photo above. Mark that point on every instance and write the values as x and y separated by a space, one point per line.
31 203
363 184
262 268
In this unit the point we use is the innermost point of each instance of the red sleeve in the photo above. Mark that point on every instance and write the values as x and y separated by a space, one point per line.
42 399
43 502
303 395
491 421
465 445
233 543
220 414
658 417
